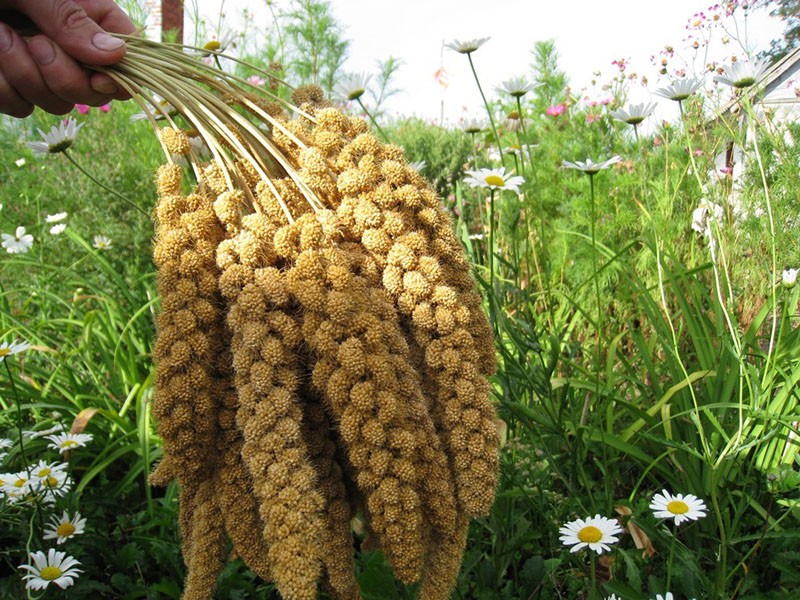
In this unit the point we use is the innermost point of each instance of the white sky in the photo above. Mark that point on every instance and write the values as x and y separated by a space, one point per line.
589 35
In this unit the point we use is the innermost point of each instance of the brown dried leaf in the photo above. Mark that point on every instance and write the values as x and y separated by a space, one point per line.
640 538
82 420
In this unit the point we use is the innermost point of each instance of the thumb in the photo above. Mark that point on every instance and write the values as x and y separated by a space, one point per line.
69 25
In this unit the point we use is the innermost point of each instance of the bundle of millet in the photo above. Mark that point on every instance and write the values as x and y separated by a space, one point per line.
202 450
270 415
386 206
186 403
346 354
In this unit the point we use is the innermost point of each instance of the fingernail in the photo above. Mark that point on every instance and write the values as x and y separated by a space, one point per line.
5 38
105 42
42 50
104 86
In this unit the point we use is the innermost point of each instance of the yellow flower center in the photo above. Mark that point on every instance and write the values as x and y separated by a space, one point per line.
590 534
495 180
49 573
68 444
51 482
20 482
65 529
678 507
4 352
59 146
44 472
213 45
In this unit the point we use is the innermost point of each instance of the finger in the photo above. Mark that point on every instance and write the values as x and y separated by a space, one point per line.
21 74
108 15
11 103
105 85
64 77
71 27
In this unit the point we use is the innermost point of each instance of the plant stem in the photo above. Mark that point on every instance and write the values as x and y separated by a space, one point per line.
671 555
373 121
490 262
104 186
488 109
598 327
722 561
19 415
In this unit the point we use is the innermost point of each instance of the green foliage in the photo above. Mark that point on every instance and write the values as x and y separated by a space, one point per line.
787 11
383 89
445 151
315 44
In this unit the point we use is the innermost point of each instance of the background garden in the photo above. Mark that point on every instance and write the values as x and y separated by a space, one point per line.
645 311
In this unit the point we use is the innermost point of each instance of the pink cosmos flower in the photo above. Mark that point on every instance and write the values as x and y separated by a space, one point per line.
105 108
256 80
591 118
554 111
82 108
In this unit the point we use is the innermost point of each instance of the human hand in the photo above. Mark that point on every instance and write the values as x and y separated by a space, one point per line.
49 69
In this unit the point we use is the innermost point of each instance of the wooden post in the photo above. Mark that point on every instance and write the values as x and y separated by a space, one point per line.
172 19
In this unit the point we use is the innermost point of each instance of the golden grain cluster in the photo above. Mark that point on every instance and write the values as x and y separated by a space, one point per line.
322 355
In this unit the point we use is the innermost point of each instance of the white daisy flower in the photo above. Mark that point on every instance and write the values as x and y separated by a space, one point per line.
64 528
590 167
680 89
55 218
44 470
64 442
596 533
7 349
742 74
517 87
20 162
4 443
789 277
58 228
50 480
220 43
57 428
101 242
680 508
19 243
161 110
59 138
473 126
524 150
16 485
495 179
706 213
55 486
634 113
467 46
353 86
55 567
